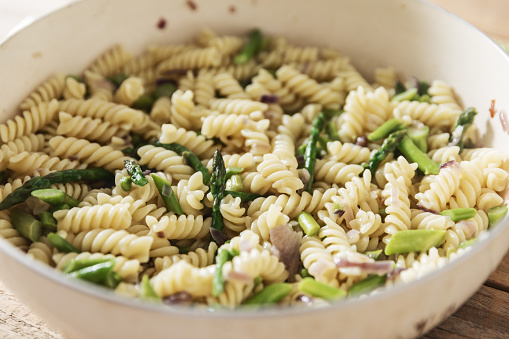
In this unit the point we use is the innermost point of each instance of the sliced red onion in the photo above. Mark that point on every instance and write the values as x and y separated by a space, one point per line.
503 120
147 172
304 175
392 275
73 158
377 267
179 298
468 228
240 277
305 67
269 98
447 164
348 213
287 243
362 141
422 208
219 237
339 213
102 84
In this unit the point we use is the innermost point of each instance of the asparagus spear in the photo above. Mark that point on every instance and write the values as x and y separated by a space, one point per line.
101 274
61 244
419 136
245 197
55 197
320 290
166 192
22 193
164 90
217 184
409 94
191 158
234 183
310 153
26 224
147 291
464 121
135 172
386 128
368 284
457 214
48 221
251 48
117 79
144 103
373 254
414 241
389 145
495 214
308 223
270 294
77 264
414 154
126 183
232 171
223 256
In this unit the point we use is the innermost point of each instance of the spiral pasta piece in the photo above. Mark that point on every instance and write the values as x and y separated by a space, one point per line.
26 163
308 88
469 189
233 214
323 70
164 160
86 218
129 91
198 144
257 263
280 177
441 190
111 62
335 172
429 221
41 250
182 227
31 121
228 86
268 220
88 128
161 110
9 233
442 94
87 152
199 258
432 115
318 261
100 88
46 92
190 59
74 89
348 153
191 193
183 277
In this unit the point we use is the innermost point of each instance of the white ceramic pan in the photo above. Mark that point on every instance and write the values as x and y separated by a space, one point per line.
413 36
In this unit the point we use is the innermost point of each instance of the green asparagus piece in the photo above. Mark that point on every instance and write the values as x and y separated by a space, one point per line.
414 241
308 223
234 183
144 103
302 149
304 273
331 113
425 98
101 274
422 88
320 290
232 170
112 279
464 121
251 48
147 291
270 294
310 153
413 154
383 212
386 128
48 221
368 284
191 158
26 224
135 172
373 254
223 256
495 214
217 188
77 264
468 242
61 244
117 79
332 131
244 197
419 136
55 197
164 90
166 192
389 145
409 94
22 193
457 214
126 183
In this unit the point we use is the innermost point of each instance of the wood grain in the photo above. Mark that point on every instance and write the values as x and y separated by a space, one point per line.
500 278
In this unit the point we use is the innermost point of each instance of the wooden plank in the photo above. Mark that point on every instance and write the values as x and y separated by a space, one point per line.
485 315
17 321
500 278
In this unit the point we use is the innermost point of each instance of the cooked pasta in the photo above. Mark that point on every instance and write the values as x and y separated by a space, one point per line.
173 219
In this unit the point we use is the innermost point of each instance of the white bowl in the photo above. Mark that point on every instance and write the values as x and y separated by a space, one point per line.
413 36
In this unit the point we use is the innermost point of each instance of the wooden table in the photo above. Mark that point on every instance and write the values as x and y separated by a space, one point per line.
485 315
